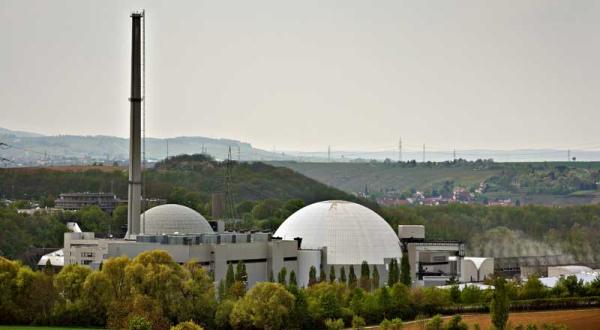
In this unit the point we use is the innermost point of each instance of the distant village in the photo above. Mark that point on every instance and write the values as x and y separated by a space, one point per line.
460 195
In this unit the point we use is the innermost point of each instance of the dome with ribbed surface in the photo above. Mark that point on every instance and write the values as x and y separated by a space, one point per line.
351 232
173 218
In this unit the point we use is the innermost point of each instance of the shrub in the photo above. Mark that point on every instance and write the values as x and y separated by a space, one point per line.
337 324
394 324
189 325
358 322
436 323
137 322
456 323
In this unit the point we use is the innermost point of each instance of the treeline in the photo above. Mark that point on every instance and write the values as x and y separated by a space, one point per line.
151 291
510 231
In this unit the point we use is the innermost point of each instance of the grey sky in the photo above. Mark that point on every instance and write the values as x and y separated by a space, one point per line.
304 74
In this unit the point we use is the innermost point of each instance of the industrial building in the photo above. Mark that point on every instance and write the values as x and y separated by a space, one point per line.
320 235
76 201
432 262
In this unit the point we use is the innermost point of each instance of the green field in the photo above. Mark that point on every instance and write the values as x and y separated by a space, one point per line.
353 177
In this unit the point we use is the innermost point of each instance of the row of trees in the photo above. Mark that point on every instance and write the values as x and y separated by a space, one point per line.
153 290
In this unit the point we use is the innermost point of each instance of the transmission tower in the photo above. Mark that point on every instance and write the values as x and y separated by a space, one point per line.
423 152
400 150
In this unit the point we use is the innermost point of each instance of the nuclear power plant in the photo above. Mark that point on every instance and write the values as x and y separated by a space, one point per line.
322 235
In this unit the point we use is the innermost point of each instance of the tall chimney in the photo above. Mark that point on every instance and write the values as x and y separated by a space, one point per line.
135 124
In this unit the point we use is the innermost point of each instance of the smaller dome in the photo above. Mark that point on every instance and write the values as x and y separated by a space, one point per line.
174 218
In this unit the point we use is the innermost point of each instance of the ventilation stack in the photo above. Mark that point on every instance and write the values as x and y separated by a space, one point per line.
134 199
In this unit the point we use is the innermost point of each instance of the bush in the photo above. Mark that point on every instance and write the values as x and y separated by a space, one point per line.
137 322
358 322
334 324
436 323
189 325
394 324
456 323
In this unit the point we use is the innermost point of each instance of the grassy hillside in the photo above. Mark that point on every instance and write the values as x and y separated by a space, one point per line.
381 177
536 183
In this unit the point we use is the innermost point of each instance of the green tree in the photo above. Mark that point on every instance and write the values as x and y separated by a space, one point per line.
281 276
342 275
375 277
405 276
455 293
330 305
69 282
322 276
223 314
384 301
265 306
266 209
240 272
331 274
500 304
229 276
401 302
532 289
394 273
312 276
293 280
365 280
352 278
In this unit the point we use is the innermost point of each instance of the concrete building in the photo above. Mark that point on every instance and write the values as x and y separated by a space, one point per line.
76 201
430 260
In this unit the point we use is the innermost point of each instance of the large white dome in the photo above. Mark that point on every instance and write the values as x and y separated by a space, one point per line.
351 232
173 218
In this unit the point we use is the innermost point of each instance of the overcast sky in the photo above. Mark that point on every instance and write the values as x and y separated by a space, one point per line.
305 74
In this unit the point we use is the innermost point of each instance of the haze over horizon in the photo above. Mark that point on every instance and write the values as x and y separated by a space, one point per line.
301 76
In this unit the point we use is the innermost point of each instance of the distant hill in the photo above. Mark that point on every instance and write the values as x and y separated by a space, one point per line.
188 180
31 149
8 132
559 183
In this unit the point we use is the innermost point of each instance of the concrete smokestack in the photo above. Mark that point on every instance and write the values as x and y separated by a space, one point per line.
135 130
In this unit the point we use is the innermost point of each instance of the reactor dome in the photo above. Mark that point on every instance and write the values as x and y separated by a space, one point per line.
351 232
173 218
